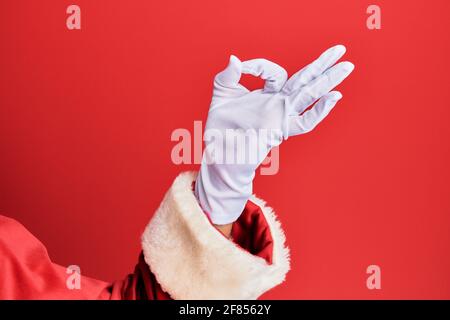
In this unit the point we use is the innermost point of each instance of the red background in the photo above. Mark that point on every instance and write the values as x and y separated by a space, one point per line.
86 118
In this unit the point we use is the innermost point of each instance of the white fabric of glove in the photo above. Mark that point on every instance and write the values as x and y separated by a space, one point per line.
243 126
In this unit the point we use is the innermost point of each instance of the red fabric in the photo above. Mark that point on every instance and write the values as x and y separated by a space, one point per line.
26 271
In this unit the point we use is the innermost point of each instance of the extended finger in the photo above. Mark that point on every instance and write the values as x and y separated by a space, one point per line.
299 124
315 69
305 96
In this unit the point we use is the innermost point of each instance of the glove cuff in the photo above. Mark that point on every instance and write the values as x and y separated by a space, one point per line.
220 197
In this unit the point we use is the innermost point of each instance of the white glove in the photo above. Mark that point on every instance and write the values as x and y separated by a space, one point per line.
243 126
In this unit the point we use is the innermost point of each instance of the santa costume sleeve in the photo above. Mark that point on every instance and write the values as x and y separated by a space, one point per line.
183 257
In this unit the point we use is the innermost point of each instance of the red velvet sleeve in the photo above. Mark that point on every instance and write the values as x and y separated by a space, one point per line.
26 271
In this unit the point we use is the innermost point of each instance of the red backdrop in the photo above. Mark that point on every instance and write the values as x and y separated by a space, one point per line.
86 117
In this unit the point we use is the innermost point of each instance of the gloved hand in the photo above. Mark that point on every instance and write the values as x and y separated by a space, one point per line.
243 126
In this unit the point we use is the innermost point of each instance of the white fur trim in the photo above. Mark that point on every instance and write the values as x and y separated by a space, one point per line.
192 260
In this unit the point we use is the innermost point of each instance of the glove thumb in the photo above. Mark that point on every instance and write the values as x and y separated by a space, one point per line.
231 75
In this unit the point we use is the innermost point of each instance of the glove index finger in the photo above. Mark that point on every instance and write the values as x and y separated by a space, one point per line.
274 75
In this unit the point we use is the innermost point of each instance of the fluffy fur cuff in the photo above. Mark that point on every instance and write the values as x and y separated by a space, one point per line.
192 260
